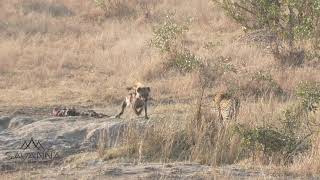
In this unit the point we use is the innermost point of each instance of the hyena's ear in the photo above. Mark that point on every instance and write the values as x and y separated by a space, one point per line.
129 88
139 89
148 89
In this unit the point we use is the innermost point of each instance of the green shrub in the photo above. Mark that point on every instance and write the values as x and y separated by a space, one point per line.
270 141
119 8
299 118
289 21
223 64
292 119
260 84
166 36
309 95
265 84
296 127
184 61
212 45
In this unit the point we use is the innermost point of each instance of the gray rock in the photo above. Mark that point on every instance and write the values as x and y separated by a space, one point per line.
110 134
4 123
6 167
67 135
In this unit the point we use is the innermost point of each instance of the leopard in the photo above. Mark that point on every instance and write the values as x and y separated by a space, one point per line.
227 105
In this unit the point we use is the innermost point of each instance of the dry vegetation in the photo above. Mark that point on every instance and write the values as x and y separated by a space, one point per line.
79 52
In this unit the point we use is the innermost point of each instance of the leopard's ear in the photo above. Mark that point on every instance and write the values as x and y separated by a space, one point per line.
213 97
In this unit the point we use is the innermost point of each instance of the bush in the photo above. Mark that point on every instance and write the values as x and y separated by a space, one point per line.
212 45
184 61
263 84
292 119
293 136
309 95
212 70
120 8
223 64
299 117
270 141
290 22
259 84
167 36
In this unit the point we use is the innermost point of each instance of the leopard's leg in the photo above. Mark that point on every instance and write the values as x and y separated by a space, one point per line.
237 108
219 113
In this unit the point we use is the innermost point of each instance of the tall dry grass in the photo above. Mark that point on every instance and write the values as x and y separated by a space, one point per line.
49 50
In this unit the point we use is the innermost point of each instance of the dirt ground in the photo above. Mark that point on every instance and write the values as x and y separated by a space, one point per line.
122 171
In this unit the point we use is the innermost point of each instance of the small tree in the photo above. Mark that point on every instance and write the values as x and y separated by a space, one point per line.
168 37
290 21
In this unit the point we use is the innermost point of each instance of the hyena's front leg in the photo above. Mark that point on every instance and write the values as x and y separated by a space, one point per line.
123 106
145 110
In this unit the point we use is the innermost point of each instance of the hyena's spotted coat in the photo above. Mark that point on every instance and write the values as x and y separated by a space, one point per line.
137 99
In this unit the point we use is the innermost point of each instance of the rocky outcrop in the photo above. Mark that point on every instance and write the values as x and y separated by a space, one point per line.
18 122
4 123
66 135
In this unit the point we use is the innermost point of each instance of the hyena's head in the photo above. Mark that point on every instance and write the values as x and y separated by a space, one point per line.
140 91
143 92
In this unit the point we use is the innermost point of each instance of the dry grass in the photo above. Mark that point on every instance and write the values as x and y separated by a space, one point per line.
70 52
66 58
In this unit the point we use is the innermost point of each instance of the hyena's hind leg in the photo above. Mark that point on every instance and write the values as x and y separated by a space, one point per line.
137 111
138 107
123 106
